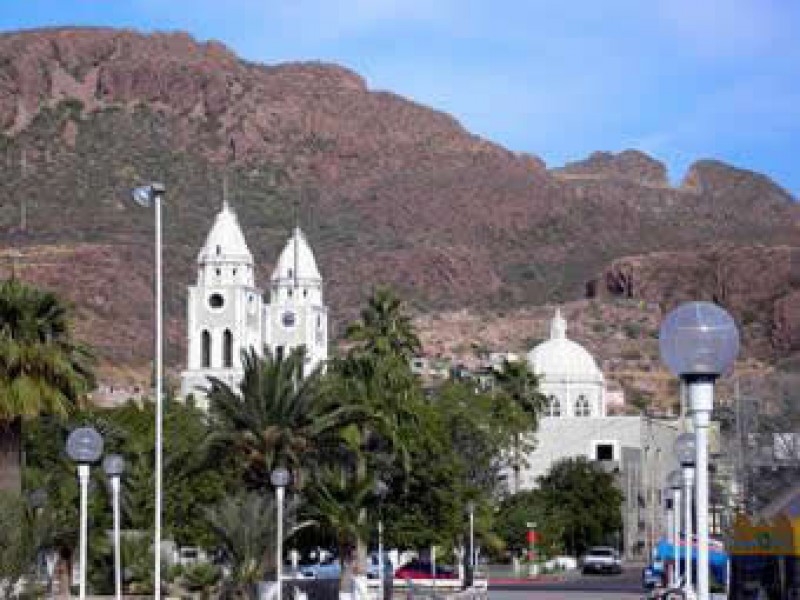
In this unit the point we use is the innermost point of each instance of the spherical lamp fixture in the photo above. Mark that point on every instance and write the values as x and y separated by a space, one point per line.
114 465
675 480
279 477
699 339
84 445
686 449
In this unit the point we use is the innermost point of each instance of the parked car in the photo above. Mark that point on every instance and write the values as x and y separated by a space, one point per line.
418 569
329 567
601 559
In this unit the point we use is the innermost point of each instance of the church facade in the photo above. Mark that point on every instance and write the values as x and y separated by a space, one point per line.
636 449
228 313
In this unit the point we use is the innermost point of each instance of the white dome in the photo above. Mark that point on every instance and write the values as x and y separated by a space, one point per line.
296 262
562 359
225 241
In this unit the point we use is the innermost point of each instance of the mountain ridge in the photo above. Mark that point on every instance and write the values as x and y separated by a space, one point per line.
389 190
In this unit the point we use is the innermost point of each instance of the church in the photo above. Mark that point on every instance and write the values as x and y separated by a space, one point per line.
636 449
228 313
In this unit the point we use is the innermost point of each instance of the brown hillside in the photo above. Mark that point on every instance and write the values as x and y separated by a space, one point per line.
389 190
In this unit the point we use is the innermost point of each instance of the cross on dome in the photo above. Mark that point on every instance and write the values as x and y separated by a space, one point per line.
558 326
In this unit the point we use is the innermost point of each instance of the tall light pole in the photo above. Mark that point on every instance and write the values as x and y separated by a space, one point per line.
146 196
114 466
471 559
84 446
699 341
381 489
675 483
686 451
279 479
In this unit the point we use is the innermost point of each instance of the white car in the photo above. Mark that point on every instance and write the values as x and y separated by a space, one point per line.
601 559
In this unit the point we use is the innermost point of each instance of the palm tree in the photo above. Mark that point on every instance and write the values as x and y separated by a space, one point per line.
42 369
521 385
245 529
384 327
276 417
338 502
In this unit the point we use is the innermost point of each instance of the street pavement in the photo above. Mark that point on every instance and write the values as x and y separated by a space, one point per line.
572 586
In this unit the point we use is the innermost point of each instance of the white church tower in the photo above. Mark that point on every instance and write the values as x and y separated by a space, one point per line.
296 314
224 308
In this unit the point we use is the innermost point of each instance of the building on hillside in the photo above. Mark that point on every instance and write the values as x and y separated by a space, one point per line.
227 312
638 450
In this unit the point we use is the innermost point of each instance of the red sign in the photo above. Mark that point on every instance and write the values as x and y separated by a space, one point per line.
533 537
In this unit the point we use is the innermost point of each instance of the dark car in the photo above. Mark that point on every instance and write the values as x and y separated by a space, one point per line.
418 569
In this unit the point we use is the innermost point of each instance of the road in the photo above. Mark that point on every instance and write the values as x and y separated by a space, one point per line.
626 586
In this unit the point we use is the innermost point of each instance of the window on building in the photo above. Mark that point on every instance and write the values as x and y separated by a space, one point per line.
234 272
219 272
289 292
553 408
582 407
290 273
219 250
279 353
227 349
305 293
604 452
206 350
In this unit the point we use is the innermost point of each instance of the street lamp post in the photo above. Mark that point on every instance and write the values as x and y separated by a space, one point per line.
381 489
114 466
686 451
471 558
146 196
279 479
699 341
84 446
675 483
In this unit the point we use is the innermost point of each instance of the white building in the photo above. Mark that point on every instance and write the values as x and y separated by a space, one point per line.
637 449
227 312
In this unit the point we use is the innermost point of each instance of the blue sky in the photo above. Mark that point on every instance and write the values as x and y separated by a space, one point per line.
679 79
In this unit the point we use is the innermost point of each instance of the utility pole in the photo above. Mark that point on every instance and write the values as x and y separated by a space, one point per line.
23 207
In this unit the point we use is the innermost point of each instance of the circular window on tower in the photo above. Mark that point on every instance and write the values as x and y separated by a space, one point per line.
216 301
288 319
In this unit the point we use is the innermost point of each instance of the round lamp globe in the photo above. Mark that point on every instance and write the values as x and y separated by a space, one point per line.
114 465
85 445
686 449
699 339
279 477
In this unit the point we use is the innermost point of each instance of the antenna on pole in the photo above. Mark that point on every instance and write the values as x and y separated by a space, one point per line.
225 190
296 239
23 206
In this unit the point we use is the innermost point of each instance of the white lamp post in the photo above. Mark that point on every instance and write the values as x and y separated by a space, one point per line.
381 489
114 466
279 479
471 559
146 196
675 483
699 341
685 451
84 446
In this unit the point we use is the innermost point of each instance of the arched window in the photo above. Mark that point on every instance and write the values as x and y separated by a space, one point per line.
553 408
206 342
227 349
582 407
219 250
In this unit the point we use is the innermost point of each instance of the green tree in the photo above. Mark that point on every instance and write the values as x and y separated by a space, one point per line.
276 417
519 384
42 369
244 527
385 327
584 498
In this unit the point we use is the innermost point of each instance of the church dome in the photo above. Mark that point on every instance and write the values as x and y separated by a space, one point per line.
296 262
225 241
560 358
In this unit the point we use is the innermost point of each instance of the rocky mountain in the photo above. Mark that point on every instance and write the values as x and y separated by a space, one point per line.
387 190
